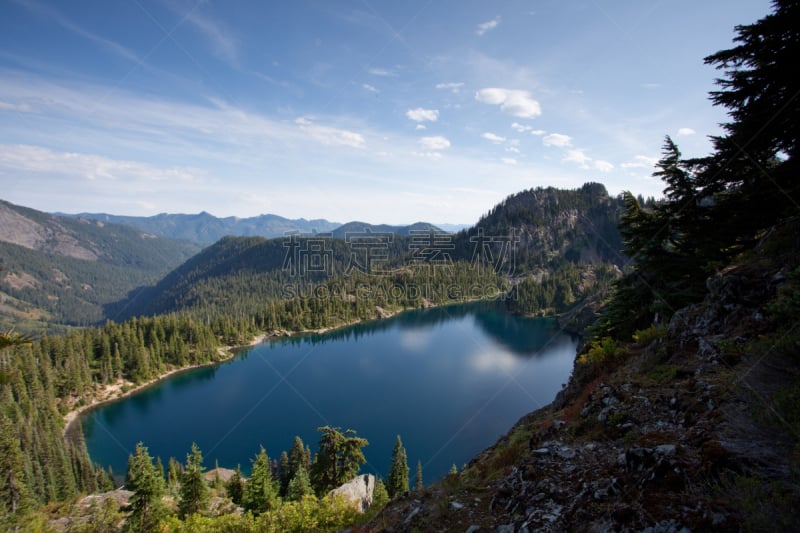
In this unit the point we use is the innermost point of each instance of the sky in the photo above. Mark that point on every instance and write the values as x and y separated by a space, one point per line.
374 110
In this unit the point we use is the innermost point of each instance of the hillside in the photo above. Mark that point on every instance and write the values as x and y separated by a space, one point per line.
58 270
692 425
205 228
554 232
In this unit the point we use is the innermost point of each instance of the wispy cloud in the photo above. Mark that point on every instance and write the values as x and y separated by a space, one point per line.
489 25
454 87
602 166
577 156
514 102
223 43
382 72
331 136
435 143
370 88
641 161
682 132
65 22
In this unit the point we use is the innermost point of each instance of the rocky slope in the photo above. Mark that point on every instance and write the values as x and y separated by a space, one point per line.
694 427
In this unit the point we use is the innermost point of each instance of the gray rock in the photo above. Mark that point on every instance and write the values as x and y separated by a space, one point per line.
358 491
456 506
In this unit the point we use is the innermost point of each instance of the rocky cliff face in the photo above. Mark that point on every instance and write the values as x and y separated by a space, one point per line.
695 429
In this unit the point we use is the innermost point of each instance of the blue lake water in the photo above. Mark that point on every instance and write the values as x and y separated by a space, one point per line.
449 380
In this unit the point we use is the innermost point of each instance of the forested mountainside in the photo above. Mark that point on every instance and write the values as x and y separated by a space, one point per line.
59 270
557 245
205 228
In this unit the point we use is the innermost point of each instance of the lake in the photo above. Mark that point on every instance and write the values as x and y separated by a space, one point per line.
449 380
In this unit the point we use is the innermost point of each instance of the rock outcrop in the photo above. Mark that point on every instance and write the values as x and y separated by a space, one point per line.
358 491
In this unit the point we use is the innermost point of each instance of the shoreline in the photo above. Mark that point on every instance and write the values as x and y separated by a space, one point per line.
113 392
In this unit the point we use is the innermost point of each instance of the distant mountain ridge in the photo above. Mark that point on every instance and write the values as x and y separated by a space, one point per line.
205 228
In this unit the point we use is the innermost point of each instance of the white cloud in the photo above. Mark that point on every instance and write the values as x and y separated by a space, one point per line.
452 86
489 136
686 131
603 166
421 115
557 139
488 25
369 88
420 127
434 143
641 161
577 156
512 149
514 102
508 160
522 128
331 136
538 132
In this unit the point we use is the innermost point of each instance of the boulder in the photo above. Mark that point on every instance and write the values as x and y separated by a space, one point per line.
358 491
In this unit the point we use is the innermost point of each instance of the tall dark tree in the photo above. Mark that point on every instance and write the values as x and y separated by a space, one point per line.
194 492
755 161
145 506
339 458
397 481
418 485
235 486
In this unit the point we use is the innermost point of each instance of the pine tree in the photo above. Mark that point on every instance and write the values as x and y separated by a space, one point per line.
145 506
260 492
397 481
284 473
299 486
380 496
194 492
235 486
338 460
418 481
15 495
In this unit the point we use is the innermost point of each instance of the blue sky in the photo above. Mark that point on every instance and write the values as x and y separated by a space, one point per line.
383 111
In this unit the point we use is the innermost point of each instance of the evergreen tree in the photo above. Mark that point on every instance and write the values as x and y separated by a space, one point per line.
174 471
338 460
145 506
194 492
453 469
299 486
260 492
15 495
754 165
380 496
235 486
418 481
397 481
283 471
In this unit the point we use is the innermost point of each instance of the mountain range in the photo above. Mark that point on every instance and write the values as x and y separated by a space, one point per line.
205 228
84 269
